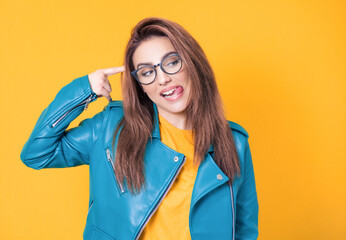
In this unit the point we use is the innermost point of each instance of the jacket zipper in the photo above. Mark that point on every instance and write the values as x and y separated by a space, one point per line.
109 158
233 216
86 102
161 199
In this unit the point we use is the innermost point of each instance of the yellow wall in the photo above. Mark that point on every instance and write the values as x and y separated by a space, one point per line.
281 70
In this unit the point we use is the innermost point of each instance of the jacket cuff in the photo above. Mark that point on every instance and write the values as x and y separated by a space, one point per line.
84 81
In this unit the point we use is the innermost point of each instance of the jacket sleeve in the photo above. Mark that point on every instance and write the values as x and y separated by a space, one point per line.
247 203
50 145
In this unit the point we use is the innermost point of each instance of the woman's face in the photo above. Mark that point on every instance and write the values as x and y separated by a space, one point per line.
169 92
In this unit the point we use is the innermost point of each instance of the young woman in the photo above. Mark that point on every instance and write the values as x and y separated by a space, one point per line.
164 162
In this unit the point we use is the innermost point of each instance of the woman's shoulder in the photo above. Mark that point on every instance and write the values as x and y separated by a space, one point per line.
115 104
115 107
114 110
237 128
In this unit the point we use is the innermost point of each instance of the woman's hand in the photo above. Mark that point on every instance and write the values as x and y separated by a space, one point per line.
99 82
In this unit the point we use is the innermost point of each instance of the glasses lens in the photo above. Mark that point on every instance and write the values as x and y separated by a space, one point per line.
172 64
146 74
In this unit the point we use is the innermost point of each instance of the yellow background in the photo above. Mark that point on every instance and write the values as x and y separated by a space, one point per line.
281 71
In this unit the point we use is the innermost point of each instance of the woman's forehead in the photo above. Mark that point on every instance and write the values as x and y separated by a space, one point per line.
152 50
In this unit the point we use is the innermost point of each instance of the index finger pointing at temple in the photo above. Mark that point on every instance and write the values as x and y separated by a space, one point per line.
113 70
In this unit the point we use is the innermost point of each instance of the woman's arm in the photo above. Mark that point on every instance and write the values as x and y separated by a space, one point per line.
247 203
49 145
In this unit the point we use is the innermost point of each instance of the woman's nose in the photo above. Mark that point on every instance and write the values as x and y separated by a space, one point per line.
162 77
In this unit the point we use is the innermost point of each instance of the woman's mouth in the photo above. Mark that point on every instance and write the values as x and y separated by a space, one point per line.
172 93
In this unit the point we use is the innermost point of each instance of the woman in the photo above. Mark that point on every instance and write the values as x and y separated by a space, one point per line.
164 162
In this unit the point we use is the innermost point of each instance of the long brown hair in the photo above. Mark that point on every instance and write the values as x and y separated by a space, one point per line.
204 110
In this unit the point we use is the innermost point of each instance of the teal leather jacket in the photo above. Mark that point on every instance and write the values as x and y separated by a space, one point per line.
217 211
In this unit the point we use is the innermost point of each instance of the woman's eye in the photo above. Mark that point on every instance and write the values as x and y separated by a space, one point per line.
147 73
173 63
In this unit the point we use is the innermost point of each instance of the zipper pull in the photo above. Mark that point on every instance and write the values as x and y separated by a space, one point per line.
108 155
87 102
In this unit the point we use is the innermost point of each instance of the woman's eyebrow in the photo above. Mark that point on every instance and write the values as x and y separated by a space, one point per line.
167 54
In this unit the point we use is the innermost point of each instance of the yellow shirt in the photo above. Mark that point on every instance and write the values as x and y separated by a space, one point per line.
171 219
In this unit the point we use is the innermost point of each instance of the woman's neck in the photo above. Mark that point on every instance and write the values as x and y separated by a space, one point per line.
178 120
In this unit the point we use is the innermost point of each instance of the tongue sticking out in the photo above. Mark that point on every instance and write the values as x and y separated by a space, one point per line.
175 92
178 90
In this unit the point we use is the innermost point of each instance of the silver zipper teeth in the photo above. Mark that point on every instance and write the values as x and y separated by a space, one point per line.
86 102
161 199
233 217
110 160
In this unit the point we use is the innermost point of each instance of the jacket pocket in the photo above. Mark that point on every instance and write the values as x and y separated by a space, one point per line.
110 162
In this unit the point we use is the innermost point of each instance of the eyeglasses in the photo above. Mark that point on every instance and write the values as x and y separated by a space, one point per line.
147 74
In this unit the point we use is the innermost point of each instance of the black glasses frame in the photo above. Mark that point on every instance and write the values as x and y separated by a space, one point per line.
134 73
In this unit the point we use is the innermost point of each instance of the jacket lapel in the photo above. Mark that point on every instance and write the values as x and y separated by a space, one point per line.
209 175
